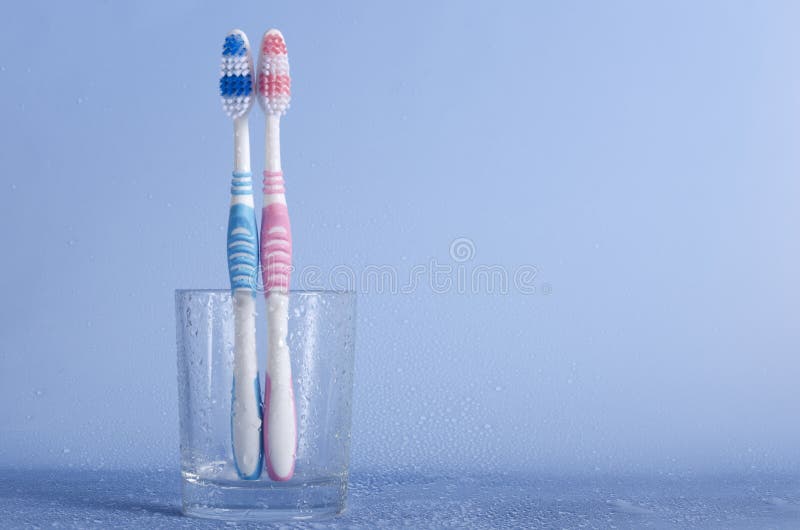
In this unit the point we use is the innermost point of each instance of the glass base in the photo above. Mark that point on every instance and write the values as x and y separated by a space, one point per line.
263 500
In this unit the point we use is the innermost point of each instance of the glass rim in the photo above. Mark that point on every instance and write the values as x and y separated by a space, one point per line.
295 292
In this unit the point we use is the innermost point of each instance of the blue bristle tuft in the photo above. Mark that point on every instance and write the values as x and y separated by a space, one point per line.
235 85
234 45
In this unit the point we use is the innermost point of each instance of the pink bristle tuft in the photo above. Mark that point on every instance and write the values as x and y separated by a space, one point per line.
273 44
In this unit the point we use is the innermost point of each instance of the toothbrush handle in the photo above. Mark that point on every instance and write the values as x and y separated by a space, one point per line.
280 419
246 395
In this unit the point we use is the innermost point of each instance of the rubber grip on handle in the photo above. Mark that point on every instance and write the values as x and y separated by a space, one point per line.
242 237
276 237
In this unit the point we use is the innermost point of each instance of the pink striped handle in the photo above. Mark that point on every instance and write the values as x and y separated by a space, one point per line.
276 237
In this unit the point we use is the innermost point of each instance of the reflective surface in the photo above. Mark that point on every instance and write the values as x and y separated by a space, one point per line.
94 499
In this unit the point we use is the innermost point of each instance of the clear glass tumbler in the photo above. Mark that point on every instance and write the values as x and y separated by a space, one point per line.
321 342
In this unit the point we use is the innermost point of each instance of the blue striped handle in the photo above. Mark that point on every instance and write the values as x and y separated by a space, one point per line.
242 237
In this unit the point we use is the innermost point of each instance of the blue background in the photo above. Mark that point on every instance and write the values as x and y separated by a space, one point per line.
643 156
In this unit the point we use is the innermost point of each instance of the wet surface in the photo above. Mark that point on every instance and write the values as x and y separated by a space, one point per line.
131 499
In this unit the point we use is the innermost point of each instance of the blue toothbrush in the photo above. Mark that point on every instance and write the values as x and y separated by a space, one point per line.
236 87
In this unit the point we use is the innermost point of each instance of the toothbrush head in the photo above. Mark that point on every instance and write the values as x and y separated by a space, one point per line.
274 83
236 75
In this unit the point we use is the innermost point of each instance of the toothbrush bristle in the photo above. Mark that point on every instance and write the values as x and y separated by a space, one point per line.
274 83
236 75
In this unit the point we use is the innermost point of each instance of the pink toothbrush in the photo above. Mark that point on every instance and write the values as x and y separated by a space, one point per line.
280 421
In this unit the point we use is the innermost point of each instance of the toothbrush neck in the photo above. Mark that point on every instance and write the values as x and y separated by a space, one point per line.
273 143
241 145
